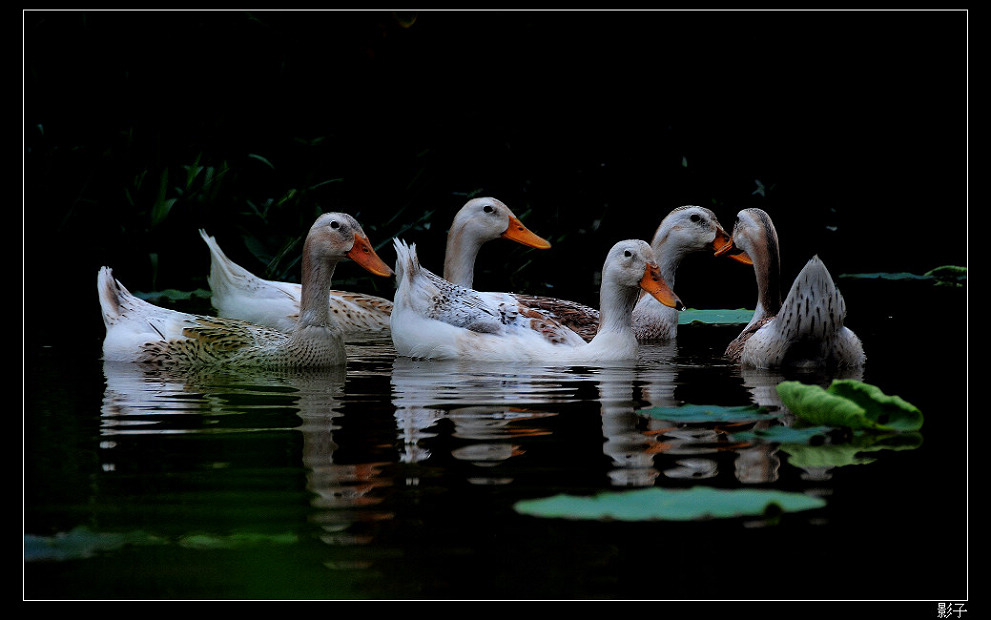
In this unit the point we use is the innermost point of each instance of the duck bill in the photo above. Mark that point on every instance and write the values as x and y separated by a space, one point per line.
521 234
653 283
725 247
363 254
720 242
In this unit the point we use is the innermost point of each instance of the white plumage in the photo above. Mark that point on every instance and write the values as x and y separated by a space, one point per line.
436 319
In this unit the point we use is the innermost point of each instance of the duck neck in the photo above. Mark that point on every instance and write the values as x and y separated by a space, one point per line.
767 268
668 255
616 305
318 272
459 258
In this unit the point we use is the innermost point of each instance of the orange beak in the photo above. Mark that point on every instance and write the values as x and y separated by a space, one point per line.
724 247
363 254
521 234
653 283
722 240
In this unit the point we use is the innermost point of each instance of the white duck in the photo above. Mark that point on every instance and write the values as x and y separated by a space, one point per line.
804 331
683 231
138 331
239 294
435 319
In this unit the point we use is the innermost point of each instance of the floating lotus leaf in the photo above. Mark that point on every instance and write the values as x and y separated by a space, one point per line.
897 275
657 504
715 317
174 295
81 542
786 434
851 404
947 275
706 413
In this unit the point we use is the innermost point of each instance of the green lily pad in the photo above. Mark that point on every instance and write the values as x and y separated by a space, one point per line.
851 404
715 317
81 542
786 434
896 275
946 275
654 503
706 413
173 295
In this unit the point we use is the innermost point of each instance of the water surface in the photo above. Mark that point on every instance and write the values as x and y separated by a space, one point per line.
397 479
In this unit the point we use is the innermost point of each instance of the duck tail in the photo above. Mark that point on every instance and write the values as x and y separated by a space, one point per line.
223 271
814 308
112 295
407 262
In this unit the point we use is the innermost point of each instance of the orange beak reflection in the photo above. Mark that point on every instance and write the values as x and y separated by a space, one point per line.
653 283
521 234
363 254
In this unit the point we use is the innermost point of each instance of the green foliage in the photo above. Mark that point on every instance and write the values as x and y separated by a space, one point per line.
654 503
849 403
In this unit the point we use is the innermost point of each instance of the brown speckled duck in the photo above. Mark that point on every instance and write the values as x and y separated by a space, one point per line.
683 231
805 330
138 331
237 293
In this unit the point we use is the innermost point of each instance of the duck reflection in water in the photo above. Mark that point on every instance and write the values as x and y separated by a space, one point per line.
485 405
139 402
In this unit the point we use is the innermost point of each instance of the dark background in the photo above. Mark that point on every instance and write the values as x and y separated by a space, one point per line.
849 128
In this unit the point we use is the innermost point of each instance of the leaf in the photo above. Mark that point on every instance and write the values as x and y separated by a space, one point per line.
884 276
654 503
81 542
946 275
886 412
261 159
814 405
715 317
706 413
171 294
849 403
786 434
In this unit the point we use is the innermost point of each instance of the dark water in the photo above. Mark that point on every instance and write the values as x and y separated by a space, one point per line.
397 479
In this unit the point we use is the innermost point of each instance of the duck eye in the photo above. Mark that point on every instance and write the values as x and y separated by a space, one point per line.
488 209
335 225
627 254
695 217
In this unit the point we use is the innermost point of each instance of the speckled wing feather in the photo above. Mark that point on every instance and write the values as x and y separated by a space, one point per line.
735 348
579 318
457 305
209 341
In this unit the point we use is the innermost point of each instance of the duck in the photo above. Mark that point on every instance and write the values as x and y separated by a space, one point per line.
238 293
806 329
682 231
140 332
433 318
